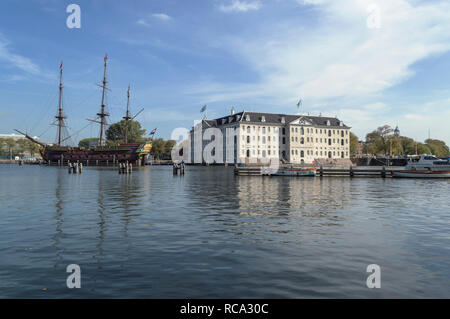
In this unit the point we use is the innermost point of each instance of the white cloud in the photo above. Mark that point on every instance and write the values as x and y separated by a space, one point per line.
161 16
240 6
343 57
18 61
143 22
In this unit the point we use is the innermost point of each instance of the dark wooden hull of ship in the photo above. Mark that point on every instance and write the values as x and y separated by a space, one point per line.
91 157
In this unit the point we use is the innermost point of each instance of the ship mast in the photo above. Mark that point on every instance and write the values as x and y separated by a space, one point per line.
102 113
127 116
60 117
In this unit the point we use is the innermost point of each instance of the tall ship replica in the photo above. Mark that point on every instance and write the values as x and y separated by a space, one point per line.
102 154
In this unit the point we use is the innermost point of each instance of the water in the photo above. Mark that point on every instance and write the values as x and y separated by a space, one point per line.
210 234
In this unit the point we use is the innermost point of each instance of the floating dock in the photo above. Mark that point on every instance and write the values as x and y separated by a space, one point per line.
361 171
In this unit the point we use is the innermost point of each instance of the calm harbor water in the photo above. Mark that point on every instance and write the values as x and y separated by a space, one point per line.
210 234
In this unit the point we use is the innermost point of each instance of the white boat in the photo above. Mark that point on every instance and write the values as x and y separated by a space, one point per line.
290 171
427 166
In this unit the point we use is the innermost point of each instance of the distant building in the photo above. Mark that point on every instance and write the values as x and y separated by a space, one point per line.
15 136
266 136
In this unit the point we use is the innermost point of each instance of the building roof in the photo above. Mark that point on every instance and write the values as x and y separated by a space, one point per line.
274 119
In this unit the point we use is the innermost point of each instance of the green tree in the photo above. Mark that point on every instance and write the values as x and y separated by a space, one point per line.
437 147
423 148
116 132
84 143
161 148
32 148
378 140
10 144
353 143
408 145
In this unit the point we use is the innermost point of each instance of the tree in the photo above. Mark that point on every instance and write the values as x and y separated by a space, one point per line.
437 147
10 144
378 140
408 145
116 132
423 148
353 143
161 148
86 142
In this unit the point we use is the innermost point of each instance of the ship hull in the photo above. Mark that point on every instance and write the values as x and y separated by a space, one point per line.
105 156
421 174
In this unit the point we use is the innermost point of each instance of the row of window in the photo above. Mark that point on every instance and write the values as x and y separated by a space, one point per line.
308 140
311 153
293 152
296 130
318 131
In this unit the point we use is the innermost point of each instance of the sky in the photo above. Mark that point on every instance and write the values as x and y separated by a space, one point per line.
368 62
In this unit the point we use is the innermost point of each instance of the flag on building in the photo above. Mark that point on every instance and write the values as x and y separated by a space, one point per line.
299 103
153 132
203 109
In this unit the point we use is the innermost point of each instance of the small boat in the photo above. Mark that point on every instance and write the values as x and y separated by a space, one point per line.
426 166
290 171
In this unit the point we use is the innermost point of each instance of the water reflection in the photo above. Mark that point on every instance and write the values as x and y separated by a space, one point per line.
59 209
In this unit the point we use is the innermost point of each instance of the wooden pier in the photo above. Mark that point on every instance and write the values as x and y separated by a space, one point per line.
359 171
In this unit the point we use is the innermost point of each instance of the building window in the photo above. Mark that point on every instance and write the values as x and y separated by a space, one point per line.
248 138
248 153
342 142
302 140
247 118
329 141
263 118
264 130
302 131
329 154
264 140
284 140
296 139
342 133
342 154
263 153
283 120
284 131
329 132
302 154
328 123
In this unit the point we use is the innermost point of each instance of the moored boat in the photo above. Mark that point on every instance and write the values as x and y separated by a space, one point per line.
426 166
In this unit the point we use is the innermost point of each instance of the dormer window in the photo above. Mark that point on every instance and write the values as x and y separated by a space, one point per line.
341 123
328 123
247 118
238 117
263 118
283 119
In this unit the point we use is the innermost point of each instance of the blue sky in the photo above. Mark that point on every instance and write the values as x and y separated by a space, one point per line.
254 55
